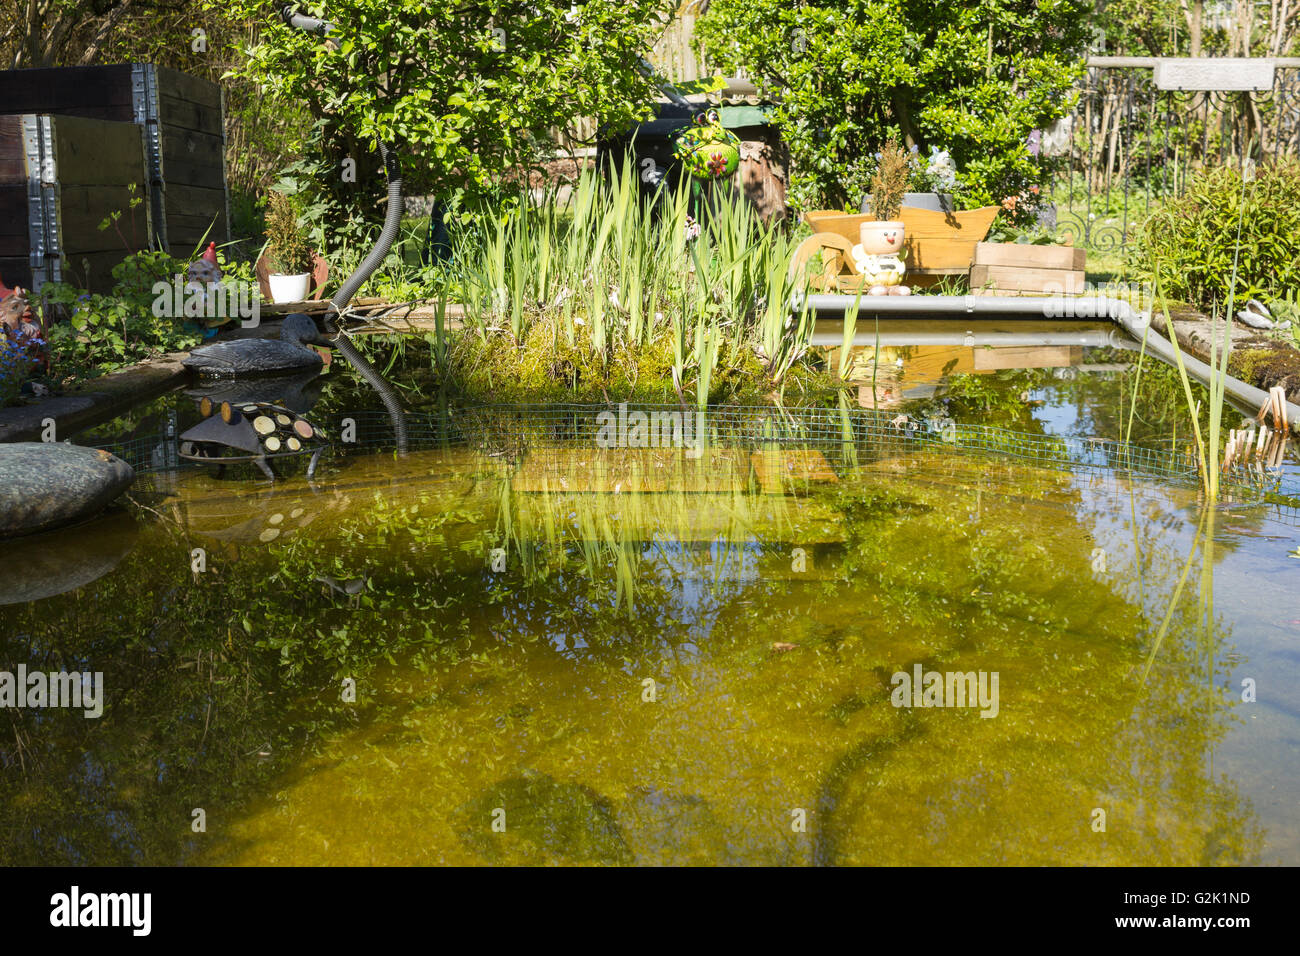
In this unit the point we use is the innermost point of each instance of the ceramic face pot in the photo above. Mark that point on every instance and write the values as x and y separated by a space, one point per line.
881 238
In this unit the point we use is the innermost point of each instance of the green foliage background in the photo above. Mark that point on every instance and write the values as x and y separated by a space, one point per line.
972 78
1187 245
467 91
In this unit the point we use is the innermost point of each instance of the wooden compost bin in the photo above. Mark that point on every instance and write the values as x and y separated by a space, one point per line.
60 177
180 118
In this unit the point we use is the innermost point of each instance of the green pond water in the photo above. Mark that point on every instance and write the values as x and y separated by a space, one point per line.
514 646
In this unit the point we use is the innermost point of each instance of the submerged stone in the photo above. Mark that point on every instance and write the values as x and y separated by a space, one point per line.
538 818
45 485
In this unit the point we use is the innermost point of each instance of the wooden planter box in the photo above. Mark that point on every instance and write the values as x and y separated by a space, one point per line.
181 120
937 243
1010 268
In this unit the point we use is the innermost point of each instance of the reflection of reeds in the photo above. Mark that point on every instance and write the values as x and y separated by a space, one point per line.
611 510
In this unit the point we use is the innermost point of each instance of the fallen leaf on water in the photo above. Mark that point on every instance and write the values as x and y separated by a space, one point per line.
783 646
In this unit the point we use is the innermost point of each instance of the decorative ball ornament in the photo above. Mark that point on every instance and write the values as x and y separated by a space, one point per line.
707 150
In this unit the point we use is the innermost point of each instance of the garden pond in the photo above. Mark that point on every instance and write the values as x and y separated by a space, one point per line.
552 636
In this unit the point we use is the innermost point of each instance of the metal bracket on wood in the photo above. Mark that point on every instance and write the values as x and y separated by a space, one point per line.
44 246
144 104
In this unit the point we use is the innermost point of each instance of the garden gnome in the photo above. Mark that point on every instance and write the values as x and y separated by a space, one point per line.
876 258
203 271
15 316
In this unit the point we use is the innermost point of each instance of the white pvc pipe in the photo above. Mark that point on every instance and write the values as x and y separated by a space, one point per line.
1042 308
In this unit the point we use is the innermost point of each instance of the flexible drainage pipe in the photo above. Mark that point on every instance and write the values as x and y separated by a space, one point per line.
373 260
1056 308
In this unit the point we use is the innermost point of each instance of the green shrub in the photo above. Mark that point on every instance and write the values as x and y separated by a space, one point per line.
1187 246
287 249
107 332
979 81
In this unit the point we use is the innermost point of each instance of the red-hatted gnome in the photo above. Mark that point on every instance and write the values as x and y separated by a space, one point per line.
203 272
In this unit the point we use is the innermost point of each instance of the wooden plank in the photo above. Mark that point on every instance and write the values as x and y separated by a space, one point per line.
938 255
13 165
190 146
98 153
188 174
16 270
69 91
1070 282
185 86
83 208
92 271
13 246
13 210
186 115
1022 254
1033 356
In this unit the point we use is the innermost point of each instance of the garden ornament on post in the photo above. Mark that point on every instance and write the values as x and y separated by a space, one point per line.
708 152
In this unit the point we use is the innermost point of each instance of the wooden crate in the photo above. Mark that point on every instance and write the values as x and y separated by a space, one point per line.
1010 268
182 117
60 177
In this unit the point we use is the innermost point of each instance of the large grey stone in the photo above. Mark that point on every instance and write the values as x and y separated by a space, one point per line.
45 485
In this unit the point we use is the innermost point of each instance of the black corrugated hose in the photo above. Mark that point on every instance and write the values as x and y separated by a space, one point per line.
375 258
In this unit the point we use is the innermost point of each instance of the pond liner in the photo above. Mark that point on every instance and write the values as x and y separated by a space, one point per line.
1044 308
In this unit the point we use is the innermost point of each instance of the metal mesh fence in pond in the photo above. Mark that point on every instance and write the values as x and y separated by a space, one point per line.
510 430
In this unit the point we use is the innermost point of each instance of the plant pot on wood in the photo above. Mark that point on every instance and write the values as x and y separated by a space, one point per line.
316 279
939 202
289 288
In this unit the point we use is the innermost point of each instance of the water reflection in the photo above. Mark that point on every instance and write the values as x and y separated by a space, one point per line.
640 657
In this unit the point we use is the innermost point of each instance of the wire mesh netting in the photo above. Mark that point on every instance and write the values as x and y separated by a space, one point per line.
511 433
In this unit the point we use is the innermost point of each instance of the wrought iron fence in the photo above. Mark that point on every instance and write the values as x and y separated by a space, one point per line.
1129 145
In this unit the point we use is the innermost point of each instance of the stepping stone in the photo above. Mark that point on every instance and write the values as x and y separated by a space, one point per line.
45 485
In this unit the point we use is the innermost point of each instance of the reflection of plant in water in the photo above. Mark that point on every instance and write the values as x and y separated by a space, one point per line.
538 669
920 785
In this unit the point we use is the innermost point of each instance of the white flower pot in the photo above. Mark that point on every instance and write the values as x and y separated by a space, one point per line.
289 288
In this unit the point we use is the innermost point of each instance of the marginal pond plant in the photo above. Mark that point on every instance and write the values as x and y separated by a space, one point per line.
612 291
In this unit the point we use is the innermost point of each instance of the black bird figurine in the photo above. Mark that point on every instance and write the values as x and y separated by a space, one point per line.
245 357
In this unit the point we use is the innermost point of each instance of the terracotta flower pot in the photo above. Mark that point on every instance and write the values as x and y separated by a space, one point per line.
881 238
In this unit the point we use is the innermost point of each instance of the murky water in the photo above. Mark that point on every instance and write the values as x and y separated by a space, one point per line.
516 646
